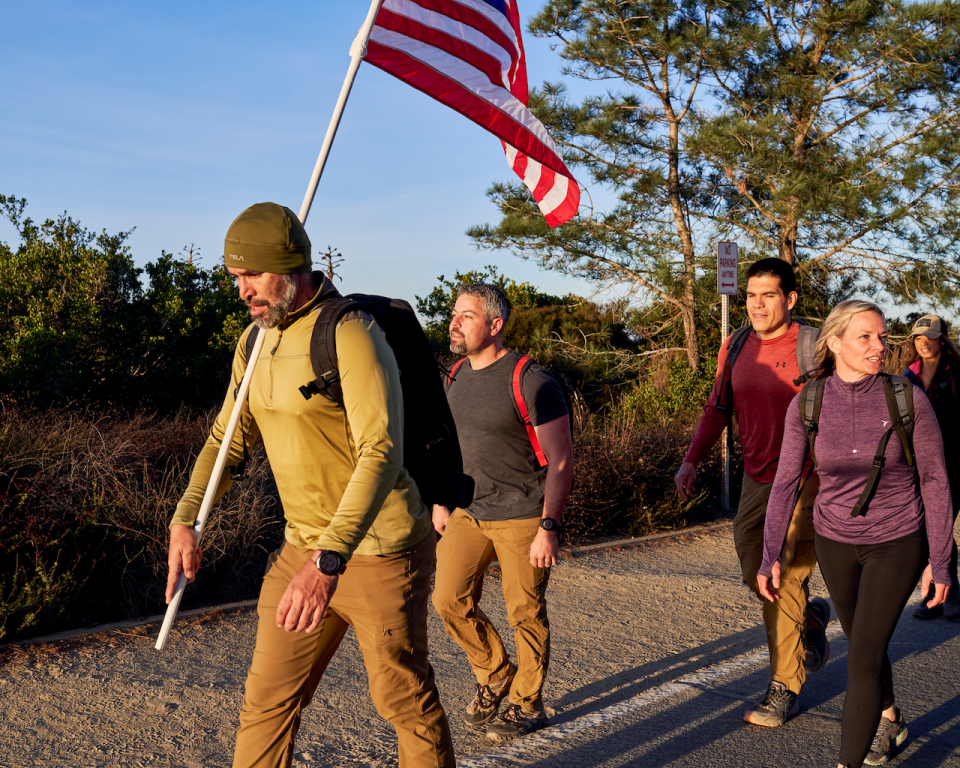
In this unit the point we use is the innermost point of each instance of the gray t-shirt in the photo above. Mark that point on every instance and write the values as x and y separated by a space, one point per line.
494 442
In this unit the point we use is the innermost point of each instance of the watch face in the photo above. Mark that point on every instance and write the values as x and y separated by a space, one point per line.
548 524
329 563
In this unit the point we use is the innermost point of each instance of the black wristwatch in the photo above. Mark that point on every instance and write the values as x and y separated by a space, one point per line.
330 563
549 524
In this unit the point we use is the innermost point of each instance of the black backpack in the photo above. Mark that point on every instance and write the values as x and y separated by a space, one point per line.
431 450
806 361
899 394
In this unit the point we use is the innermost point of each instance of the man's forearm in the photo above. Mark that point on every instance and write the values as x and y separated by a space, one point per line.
708 433
556 489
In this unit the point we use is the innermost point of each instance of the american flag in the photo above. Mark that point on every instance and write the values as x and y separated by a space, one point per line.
468 54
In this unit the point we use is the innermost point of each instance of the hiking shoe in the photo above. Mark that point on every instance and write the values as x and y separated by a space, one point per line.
778 705
817 645
486 703
889 736
516 722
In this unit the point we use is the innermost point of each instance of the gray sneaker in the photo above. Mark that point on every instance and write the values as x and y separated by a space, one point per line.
777 706
486 703
889 736
516 722
817 645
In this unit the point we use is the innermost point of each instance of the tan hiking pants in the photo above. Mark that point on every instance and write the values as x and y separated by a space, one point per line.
786 619
468 546
384 598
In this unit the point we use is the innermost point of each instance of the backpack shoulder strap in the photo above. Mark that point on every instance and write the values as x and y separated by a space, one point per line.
899 393
811 401
522 407
452 375
806 353
323 349
251 340
725 394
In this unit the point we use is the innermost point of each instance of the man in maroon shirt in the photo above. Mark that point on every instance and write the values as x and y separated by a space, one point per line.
764 380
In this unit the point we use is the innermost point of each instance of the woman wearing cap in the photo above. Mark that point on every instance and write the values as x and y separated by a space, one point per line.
870 561
935 368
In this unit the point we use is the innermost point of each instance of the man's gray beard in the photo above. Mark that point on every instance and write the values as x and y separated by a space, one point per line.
277 311
458 347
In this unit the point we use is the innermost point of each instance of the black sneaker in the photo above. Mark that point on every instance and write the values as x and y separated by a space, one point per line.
889 736
516 722
486 703
778 705
817 645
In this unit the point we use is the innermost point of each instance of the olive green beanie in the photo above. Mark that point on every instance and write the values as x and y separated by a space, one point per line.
267 238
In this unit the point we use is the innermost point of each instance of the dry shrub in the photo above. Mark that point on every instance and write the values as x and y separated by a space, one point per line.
628 456
84 506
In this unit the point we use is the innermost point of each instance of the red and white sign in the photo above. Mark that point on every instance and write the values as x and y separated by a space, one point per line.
727 268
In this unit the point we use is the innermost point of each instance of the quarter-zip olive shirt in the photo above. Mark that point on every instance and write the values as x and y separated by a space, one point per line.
339 471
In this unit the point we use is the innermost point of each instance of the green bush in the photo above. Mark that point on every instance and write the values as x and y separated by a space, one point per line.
84 329
666 390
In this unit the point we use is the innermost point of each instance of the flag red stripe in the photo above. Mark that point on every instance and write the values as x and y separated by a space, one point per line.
520 84
473 19
567 209
444 89
468 54
484 62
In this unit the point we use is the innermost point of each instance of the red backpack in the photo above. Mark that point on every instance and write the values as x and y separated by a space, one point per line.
519 402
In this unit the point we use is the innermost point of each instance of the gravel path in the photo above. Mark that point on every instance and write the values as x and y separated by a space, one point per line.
625 621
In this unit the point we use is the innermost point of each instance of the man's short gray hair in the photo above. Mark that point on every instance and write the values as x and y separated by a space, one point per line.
492 299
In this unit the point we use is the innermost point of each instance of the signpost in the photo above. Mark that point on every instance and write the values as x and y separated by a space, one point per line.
727 253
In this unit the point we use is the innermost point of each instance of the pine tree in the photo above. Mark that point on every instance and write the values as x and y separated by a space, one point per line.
823 133
836 141
630 142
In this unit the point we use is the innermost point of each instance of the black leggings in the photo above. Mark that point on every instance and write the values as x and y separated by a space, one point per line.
870 585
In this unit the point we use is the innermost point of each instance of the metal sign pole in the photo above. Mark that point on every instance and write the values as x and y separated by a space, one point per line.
727 443
727 255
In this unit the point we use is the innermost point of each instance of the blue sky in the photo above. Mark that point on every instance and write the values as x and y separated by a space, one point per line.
173 117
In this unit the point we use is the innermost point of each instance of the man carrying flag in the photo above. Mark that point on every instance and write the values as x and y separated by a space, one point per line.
359 550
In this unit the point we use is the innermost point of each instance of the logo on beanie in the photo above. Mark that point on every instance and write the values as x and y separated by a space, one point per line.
234 257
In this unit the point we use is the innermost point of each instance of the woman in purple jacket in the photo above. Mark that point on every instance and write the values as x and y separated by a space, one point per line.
870 562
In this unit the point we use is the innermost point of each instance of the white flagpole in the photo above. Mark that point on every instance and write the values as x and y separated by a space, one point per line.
358 50
211 491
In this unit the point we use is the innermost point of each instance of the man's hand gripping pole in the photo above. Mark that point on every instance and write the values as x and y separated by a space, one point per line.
214 483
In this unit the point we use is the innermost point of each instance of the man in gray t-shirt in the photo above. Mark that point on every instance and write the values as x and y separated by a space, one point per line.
523 474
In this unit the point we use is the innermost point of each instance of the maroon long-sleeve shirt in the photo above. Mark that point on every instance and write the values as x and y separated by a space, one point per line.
853 418
762 390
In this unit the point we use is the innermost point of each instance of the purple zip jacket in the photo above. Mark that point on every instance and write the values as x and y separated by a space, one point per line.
852 420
